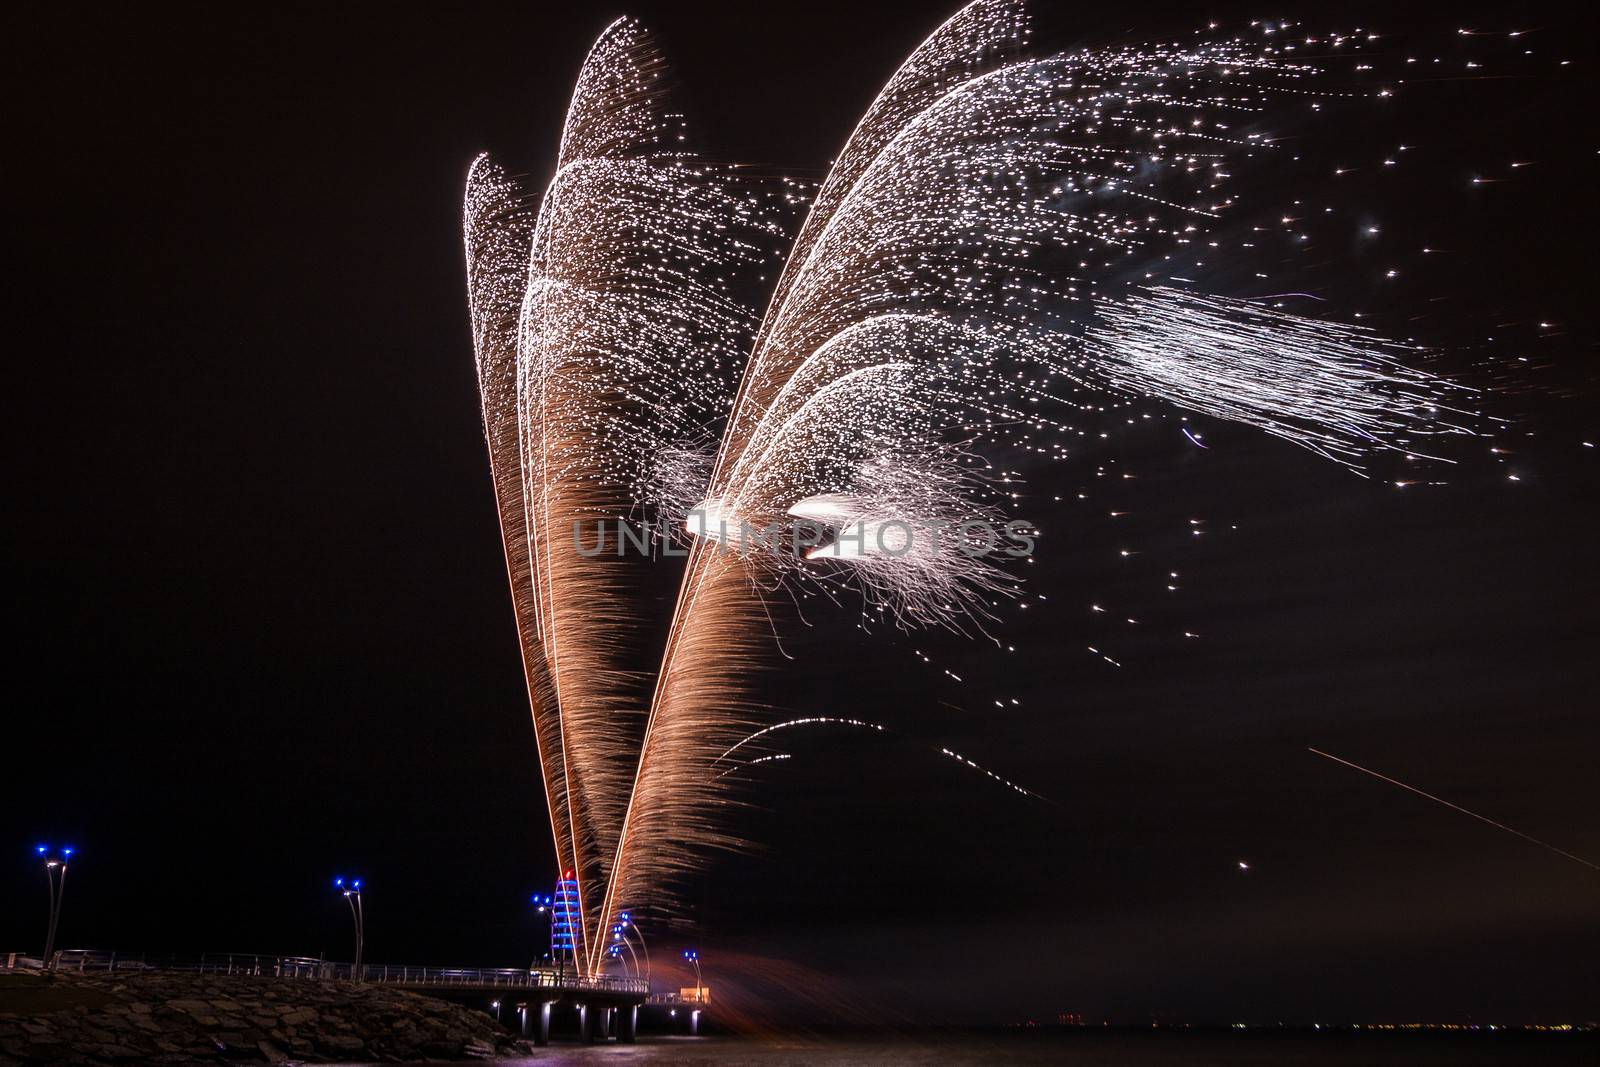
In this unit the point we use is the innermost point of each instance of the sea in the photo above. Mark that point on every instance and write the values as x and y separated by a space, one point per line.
1091 1048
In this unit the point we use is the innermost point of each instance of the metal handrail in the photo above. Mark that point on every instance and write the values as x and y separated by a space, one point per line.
235 963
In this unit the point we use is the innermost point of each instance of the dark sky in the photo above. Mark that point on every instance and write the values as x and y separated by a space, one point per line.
261 633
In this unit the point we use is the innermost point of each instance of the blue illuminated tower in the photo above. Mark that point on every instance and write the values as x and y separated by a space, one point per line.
564 920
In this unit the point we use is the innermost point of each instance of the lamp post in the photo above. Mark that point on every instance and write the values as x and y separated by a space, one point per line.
693 956
619 942
620 934
55 871
544 905
352 897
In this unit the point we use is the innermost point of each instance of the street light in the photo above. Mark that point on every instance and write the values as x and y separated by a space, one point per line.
55 871
619 942
352 897
545 906
620 938
693 956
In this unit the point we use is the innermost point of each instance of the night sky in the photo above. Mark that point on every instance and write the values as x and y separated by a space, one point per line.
262 636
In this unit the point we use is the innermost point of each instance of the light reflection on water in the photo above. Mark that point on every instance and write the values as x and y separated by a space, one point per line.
1081 1050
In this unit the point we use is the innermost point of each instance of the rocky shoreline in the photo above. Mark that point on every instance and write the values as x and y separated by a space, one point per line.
163 1018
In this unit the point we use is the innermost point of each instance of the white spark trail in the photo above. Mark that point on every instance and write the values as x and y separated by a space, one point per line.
972 277
962 283
830 720
1338 390
1455 807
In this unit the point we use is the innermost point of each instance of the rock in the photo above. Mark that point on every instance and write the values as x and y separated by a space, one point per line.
272 1052
172 1018
116 1052
191 1007
45 1049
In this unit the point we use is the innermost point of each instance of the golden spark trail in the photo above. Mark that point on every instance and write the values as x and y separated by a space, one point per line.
962 282
992 257
607 336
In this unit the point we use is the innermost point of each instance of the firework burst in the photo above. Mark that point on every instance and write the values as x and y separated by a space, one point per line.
607 337
973 273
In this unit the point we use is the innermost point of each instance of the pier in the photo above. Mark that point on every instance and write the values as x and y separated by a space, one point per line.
607 1007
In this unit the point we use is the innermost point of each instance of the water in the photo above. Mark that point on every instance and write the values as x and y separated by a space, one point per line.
1088 1049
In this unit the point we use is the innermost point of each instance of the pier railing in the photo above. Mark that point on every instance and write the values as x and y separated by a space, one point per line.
304 967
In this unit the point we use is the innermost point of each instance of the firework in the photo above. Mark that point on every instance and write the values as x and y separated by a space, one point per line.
970 274
606 338
1338 390
978 270
857 724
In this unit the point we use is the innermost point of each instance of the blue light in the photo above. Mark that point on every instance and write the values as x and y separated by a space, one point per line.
66 852
43 849
338 883
356 883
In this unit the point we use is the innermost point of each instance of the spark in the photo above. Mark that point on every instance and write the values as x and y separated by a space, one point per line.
829 720
1456 807
1335 389
605 335
981 265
